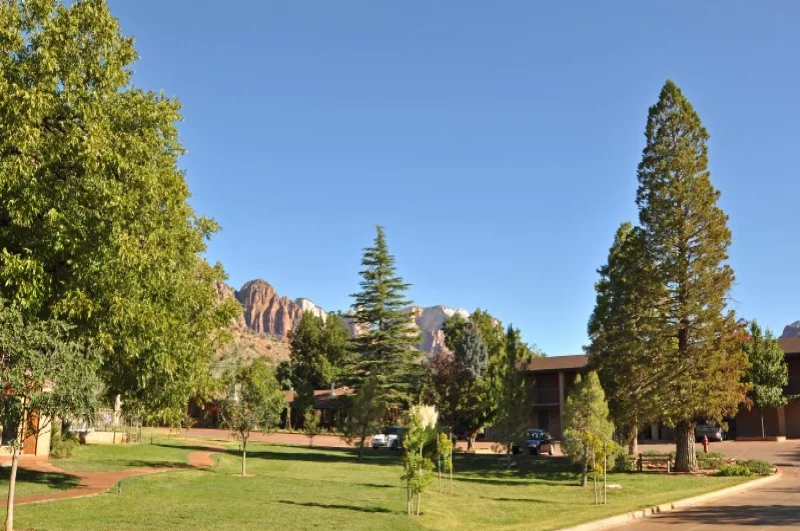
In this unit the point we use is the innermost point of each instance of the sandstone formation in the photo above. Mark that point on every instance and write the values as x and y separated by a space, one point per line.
791 330
430 320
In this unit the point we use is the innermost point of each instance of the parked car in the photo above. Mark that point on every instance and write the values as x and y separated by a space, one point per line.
391 437
714 433
538 442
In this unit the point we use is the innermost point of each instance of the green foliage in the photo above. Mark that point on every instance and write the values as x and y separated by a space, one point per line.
386 348
365 413
622 463
417 467
757 466
320 350
511 422
254 402
95 225
471 350
311 425
768 373
62 443
44 375
733 471
711 460
587 429
619 328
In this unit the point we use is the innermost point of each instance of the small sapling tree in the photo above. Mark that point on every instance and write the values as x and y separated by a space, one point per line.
254 402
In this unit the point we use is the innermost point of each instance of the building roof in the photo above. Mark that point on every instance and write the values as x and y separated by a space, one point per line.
558 363
790 345
322 397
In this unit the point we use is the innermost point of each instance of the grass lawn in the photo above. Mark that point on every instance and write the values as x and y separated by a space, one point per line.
164 453
30 483
296 488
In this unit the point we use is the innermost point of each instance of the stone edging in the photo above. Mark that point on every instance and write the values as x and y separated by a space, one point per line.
621 519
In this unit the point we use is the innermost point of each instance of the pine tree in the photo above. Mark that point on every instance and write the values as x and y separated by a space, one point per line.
768 372
514 405
386 348
619 329
694 342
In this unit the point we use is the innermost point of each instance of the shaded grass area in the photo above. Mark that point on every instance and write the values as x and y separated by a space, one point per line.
296 488
30 483
163 453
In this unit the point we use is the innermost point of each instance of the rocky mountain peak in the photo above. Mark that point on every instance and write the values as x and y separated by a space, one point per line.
791 330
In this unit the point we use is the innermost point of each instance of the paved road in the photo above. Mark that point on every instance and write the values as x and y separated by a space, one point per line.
774 506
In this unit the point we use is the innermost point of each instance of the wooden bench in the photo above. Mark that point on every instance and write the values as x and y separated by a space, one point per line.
668 459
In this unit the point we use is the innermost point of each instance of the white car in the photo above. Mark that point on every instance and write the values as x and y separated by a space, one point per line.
392 438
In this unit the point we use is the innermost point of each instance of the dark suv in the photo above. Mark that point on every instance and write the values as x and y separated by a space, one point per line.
538 442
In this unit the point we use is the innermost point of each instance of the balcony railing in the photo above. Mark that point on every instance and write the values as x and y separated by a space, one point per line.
545 395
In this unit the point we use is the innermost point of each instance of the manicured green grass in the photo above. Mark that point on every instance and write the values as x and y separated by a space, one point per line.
30 483
162 453
296 488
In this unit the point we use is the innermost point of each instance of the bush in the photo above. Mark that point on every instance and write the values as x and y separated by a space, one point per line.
734 470
62 444
622 463
710 460
757 466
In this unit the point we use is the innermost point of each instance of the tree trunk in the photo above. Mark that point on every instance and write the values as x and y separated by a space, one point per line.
633 442
244 456
685 456
585 472
763 431
12 484
361 446
471 441
508 456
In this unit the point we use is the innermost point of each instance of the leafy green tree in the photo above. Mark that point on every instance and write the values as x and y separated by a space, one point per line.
254 402
514 406
474 377
365 413
417 467
619 328
694 344
95 225
311 425
586 422
320 350
44 376
768 373
386 347
444 458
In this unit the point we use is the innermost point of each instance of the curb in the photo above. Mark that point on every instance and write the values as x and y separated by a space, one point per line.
621 519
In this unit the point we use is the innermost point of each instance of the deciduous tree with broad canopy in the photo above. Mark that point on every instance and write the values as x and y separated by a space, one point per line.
44 376
95 225
254 402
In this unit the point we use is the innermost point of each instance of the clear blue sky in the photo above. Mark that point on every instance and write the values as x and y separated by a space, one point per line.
496 142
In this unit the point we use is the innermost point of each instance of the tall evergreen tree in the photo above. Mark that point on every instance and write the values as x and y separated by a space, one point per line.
619 329
386 347
768 373
514 406
695 347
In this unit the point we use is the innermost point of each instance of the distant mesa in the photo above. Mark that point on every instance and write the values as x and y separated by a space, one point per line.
271 316
791 330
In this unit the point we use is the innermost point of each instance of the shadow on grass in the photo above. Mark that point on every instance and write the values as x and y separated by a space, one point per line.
338 506
525 500
326 456
536 469
52 480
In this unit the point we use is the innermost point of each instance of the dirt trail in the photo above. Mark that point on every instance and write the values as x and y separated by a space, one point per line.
93 483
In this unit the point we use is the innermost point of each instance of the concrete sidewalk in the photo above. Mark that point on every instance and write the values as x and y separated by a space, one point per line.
776 505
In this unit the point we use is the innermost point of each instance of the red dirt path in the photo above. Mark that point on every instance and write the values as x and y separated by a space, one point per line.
93 483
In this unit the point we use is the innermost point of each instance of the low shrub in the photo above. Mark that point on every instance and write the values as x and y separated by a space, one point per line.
734 470
62 444
757 466
653 453
710 460
622 463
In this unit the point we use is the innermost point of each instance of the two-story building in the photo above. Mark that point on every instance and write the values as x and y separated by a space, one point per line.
552 378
